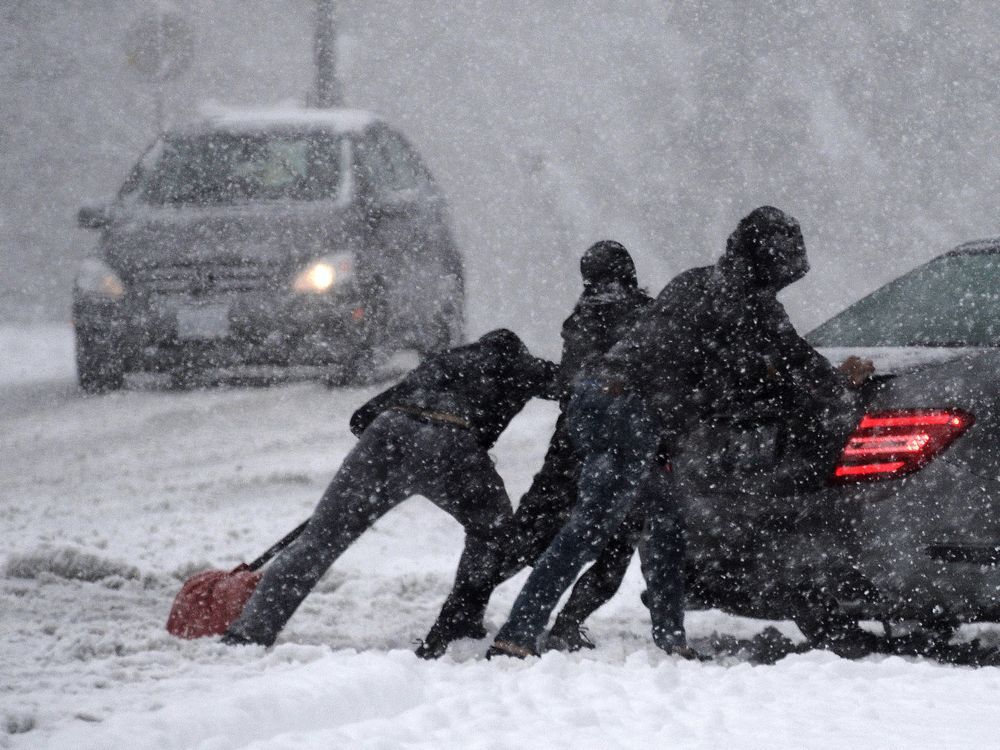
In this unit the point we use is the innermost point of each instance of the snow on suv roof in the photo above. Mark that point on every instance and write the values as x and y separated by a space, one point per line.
977 247
338 120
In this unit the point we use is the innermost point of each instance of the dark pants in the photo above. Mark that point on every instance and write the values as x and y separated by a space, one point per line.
541 513
618 440
602 580
544 509
396 457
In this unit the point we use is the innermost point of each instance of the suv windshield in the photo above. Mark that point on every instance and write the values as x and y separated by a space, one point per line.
951 301
231 167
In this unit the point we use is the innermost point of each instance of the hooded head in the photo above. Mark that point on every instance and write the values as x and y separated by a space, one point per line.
503 342
605 263
768 248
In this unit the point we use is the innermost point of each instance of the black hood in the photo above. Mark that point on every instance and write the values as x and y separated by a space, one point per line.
606 263
767 250
504 343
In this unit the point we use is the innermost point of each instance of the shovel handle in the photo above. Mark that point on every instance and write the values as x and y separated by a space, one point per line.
274 549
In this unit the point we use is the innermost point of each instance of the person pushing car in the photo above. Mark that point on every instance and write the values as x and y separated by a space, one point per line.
800 390
428 435
685 360
610 303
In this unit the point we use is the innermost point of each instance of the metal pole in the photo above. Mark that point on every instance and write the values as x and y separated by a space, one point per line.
161 73
328 89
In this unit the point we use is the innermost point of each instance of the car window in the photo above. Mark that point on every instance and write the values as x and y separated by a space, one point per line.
951 301
229 167
375 167
389 165
134 180
407 172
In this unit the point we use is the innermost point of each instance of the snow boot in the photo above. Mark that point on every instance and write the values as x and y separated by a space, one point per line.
568 638
437 640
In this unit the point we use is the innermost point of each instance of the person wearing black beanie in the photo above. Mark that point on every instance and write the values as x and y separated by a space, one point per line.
610 303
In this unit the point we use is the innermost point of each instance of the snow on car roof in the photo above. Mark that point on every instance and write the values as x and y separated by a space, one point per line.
977 247
339 120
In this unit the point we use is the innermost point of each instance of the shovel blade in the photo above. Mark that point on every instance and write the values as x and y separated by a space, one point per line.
210 601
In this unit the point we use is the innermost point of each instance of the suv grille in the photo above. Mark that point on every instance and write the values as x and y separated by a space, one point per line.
208 279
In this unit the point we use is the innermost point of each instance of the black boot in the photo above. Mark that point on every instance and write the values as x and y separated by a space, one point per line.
827 626
568 637
437 640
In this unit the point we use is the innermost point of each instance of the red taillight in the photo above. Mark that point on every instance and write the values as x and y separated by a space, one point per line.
889 444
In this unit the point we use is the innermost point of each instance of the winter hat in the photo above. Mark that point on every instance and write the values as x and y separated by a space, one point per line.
608 262
768 243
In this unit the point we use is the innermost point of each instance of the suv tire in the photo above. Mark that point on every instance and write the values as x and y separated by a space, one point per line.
99 368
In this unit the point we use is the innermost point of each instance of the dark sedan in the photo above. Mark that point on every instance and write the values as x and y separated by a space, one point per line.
897 520
310 238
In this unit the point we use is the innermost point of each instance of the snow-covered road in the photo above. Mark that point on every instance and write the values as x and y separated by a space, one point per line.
108 503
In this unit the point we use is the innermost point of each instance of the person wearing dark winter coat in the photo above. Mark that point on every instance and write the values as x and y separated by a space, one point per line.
610 304
715 341
428 435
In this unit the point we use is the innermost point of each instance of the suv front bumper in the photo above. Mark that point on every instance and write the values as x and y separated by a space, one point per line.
165 333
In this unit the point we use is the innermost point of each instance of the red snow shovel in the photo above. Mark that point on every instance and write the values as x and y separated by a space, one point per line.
209 601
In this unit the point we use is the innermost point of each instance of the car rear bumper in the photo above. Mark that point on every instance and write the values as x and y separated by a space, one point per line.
170 332
883 539
913 539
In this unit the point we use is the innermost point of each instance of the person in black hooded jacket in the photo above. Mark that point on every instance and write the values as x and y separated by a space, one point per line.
610 304
715 340
428 435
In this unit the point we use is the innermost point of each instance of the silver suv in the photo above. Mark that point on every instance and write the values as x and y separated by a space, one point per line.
308 238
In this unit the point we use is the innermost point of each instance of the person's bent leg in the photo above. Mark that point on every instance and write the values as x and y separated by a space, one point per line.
540 515
544 509
618 442
597 585
462 613
470 489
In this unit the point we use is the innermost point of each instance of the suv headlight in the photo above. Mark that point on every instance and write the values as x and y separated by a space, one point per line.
97 279
327 274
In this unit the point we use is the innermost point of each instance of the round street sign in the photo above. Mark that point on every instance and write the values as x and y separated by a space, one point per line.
160 45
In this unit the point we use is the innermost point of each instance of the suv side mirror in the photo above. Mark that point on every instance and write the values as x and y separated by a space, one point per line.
93 217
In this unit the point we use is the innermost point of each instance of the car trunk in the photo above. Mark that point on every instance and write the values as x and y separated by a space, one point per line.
765 453
961 378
